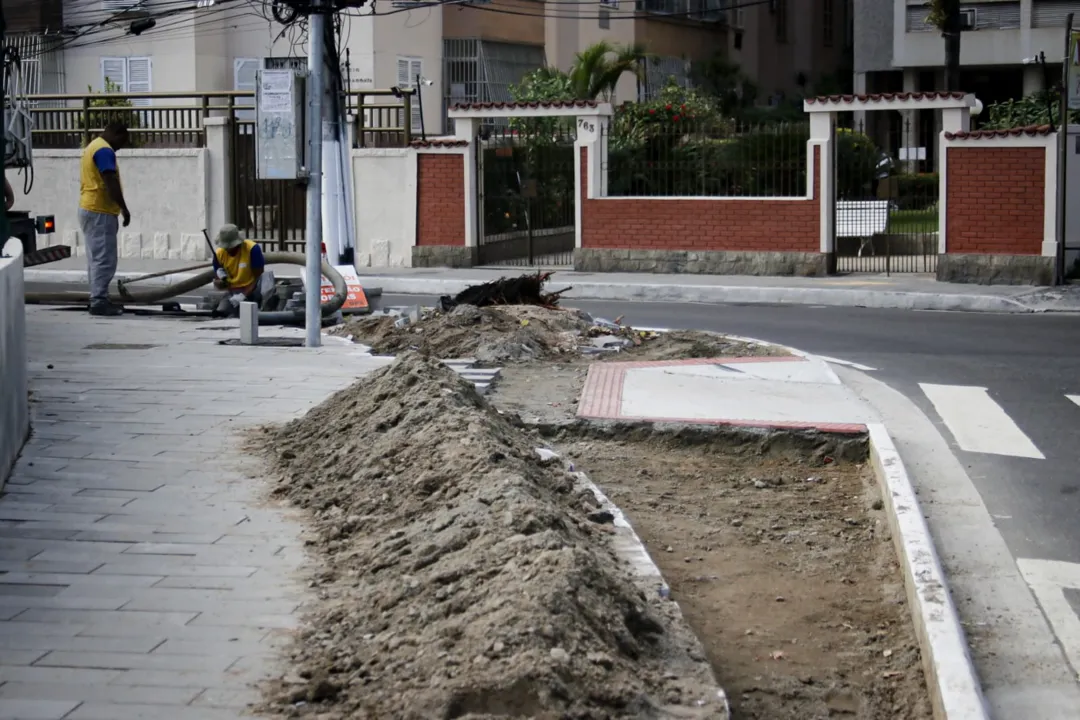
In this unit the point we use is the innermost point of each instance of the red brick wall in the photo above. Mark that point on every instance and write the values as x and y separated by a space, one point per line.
667 224
440 202
995 200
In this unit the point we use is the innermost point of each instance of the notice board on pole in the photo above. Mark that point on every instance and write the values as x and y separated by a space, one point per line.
279 125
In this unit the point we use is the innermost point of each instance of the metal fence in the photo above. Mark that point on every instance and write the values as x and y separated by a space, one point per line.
671 157
175 120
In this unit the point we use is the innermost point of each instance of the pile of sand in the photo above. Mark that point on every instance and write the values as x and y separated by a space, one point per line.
522 333
491 335
462 575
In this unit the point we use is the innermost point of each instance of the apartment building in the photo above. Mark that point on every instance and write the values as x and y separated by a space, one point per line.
460 52
897 50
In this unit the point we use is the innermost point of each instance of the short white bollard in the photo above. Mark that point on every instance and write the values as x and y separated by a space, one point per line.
249 323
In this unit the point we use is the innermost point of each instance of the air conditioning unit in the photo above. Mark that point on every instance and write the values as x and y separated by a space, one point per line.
969 18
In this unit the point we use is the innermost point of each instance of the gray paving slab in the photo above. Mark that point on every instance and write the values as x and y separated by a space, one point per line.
142 574
112 694
33 709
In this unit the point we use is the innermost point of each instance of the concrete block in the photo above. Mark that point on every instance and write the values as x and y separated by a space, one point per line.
118 711
249 323
130 245
380 253
161 246
193 247
116 694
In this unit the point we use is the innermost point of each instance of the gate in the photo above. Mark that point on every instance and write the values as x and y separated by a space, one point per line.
526 195
886 211
273 212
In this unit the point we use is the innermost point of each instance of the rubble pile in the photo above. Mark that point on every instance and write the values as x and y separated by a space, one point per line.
463 576
507 333
525 289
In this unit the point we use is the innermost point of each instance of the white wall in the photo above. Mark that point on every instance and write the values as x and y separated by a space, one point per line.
14 407
385 186
417 33
166 191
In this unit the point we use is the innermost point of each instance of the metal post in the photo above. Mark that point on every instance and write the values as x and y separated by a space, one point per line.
1063 155
5 227
313 251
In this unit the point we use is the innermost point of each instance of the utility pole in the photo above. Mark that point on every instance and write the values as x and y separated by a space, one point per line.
315 87
5 227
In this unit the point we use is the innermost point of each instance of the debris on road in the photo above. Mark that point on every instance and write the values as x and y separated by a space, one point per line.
461 575
527 289
530 333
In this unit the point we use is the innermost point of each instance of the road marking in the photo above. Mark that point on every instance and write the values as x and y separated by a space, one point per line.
978 423
1049 579
848 363
1074 398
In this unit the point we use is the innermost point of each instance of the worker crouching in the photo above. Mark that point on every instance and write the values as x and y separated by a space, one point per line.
240 270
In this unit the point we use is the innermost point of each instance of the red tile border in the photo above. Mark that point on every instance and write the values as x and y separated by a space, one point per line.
601 397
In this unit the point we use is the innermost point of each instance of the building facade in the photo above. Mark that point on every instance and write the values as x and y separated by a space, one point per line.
452 53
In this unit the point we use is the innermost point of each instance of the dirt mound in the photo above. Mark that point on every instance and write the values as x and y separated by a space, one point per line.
491 335
462 576
522 333
689 344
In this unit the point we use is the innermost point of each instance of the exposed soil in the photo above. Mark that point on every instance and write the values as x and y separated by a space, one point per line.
526 333
783 567
462 576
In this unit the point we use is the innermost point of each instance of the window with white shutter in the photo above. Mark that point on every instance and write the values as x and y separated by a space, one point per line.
127 75
138 79
408 69
245 74
113 74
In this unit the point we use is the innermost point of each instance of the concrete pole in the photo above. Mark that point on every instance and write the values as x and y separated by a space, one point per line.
315 87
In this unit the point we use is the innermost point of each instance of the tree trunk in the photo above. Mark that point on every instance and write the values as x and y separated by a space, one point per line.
951 34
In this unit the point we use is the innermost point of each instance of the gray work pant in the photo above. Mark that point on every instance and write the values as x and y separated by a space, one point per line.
99 236
260 294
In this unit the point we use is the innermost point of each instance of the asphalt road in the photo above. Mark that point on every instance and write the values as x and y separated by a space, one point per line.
1028 363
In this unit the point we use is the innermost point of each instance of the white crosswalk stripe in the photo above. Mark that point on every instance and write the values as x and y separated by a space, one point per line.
978 423
1074 398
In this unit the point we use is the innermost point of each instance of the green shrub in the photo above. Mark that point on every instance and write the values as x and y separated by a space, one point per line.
112 110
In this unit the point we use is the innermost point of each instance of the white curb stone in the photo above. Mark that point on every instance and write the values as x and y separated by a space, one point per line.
954 687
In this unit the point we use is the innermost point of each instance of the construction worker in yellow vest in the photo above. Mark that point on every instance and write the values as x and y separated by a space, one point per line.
101 204
239 268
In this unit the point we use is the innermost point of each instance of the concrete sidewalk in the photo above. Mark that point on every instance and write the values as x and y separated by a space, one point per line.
141 572
782 392
909 292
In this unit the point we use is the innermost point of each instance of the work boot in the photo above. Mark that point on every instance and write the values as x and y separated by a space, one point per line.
106 309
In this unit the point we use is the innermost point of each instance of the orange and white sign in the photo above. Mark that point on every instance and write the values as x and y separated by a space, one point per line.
355 300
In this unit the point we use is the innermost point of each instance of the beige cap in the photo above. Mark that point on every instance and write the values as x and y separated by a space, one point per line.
228 237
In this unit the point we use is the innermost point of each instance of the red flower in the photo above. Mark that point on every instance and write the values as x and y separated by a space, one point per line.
675 118
683 108
652 111
667 107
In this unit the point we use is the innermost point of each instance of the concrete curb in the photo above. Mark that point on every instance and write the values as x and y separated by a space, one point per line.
950 674
733 294
656 292
631 550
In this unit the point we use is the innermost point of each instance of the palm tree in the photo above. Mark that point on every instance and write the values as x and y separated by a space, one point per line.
598 68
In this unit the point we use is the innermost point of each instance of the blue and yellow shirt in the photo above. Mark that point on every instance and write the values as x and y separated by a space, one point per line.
98 158
241 265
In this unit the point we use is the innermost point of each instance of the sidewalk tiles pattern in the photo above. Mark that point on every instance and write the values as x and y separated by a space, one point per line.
141 575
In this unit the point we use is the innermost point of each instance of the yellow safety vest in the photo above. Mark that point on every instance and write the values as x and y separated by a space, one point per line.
237 267
93 195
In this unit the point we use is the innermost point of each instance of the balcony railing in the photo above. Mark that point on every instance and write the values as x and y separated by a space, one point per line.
712 11
176 120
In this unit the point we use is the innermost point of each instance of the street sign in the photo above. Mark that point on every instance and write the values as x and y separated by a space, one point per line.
356 300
